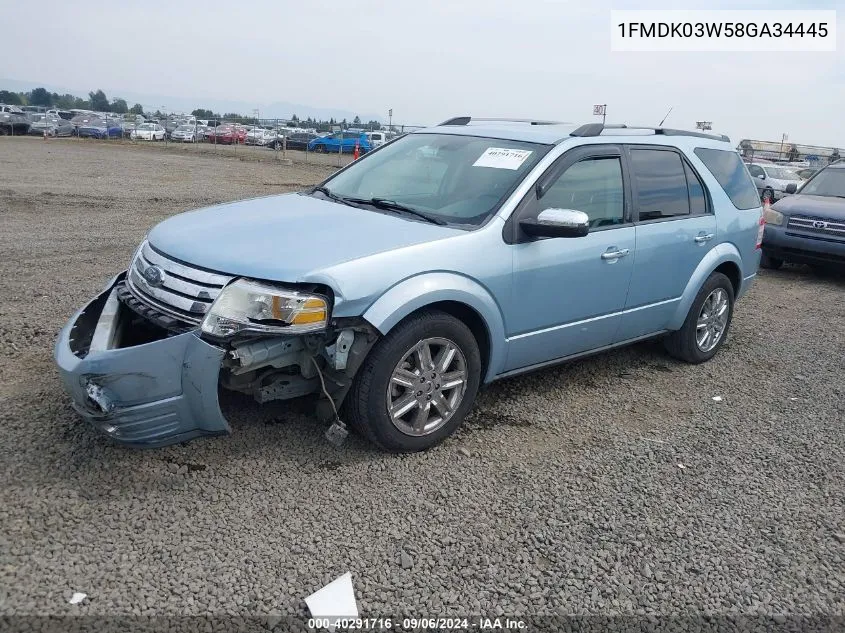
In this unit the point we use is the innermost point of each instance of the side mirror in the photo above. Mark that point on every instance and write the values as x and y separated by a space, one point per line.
557 223
762 176
791 188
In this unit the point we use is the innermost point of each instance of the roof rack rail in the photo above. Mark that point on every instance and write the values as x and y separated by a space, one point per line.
465 120
595 129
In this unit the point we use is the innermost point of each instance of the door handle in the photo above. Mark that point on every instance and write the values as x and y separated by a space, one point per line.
704 237
615 254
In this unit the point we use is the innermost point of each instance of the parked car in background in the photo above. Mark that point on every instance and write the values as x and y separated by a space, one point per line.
807 172
99 128
297 140
52 126
229 134
67 115
184 133
808 227
13 121
341 142
376 139
772 180
260 136
148 132
450 258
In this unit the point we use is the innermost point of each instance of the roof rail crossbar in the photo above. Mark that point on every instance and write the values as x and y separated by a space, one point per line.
595 129
465 120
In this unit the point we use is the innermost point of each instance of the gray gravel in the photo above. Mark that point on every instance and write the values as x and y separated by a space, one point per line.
613 486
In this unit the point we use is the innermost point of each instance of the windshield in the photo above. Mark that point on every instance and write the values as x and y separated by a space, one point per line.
185 128
781 173
829 182
455 179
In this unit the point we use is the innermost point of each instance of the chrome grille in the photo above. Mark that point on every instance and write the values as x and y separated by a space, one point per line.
818 226
174 288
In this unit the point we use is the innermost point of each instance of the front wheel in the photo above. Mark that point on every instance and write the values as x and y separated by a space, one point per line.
708 321
417 384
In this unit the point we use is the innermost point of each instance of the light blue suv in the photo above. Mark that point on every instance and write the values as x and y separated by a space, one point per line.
444 260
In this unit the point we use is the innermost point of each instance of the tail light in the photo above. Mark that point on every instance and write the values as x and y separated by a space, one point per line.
760 229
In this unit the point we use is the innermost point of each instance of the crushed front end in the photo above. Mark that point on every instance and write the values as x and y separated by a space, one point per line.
144 359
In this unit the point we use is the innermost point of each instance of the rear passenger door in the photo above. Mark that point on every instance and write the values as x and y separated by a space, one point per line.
675 228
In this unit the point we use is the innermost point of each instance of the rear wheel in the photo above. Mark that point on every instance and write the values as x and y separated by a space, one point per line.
708 321
417 384
772 263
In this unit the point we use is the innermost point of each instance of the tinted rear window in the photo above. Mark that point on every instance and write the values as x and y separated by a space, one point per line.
728 170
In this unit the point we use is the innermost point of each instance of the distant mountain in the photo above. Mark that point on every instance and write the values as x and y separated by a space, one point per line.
170 103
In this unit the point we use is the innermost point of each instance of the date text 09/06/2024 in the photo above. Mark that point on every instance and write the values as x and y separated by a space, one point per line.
421 623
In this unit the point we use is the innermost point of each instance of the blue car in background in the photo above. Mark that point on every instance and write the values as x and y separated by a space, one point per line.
97 128
345 140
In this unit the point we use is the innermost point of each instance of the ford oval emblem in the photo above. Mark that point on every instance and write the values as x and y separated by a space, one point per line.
154 276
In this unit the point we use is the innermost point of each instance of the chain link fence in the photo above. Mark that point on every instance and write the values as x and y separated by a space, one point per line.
321 142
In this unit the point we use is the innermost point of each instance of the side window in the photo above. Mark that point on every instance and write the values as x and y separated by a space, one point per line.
756 170
728 170
697 199
660 183
593 186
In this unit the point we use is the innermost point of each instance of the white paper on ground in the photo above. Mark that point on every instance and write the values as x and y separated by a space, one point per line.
335 600
502 158
77 597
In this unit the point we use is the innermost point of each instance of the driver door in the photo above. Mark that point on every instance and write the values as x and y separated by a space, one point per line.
568 293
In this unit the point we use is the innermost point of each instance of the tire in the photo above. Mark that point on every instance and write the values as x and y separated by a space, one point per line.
771 263
320 149
373 390
683 343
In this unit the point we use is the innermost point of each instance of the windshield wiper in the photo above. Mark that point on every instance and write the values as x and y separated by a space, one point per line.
392 205
333 196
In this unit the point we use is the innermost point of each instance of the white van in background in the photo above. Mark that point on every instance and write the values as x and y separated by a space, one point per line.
376 139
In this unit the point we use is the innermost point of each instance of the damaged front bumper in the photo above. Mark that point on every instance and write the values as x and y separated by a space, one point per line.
147 395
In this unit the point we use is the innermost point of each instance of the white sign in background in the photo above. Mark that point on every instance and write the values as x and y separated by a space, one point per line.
720 31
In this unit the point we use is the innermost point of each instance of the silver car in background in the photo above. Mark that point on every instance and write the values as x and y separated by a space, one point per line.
772 180
185 133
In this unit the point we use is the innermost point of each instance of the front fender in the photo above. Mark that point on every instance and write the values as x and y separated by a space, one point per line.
718 255
422 290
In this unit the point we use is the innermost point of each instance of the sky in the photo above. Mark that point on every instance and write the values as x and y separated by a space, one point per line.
427 61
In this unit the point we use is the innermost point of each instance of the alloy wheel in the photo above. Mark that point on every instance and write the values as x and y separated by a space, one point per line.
712 320
427 386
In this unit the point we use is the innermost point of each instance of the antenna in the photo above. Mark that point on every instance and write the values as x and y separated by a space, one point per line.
666 117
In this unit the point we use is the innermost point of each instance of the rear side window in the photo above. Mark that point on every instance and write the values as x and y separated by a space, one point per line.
661 184
730 173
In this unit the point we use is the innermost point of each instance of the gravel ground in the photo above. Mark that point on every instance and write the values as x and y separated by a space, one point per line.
613 486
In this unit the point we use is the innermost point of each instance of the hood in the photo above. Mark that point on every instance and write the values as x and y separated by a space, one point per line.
286 237
828 207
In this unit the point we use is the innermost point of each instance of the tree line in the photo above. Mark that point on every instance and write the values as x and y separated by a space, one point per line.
97 101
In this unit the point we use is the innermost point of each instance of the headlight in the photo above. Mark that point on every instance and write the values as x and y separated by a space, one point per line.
252 306
773 217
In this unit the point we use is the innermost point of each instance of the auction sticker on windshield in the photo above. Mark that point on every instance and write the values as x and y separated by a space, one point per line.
502 158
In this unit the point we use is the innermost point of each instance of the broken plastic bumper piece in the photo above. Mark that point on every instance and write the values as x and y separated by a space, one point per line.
153 394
